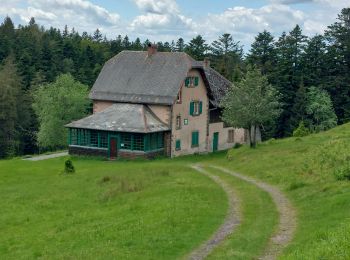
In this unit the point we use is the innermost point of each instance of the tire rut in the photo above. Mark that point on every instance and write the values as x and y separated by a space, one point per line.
232 219
287 216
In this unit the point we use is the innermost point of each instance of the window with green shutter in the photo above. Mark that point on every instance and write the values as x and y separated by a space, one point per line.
196 81
187 82
195 139
191 82
196 108
178 145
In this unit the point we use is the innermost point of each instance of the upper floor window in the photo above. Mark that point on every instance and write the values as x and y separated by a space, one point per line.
191 82
196 108
178 122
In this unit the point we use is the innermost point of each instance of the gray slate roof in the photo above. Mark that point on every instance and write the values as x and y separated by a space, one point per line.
122 117
135 77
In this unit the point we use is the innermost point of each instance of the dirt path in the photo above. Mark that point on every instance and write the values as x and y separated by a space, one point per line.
45 157
232 219
287 221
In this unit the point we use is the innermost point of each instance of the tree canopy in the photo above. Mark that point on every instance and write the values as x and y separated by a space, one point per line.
57 104
251 103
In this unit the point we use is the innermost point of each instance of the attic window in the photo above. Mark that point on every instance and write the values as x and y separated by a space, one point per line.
191 82
179 97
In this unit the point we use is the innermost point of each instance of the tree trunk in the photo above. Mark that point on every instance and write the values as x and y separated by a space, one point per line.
253 136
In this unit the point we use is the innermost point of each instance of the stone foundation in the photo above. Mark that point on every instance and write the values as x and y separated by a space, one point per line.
87 151
130 155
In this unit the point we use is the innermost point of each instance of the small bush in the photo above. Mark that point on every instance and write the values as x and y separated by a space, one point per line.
342 173
301 130
236 145
230 155
68 167
270 141
296 185
105 179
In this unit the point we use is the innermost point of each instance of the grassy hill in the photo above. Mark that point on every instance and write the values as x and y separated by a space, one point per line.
314 172
162 209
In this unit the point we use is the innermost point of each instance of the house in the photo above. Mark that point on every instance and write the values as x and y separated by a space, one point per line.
147 103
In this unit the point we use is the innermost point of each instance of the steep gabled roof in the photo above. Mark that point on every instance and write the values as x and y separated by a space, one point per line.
122 117
135 77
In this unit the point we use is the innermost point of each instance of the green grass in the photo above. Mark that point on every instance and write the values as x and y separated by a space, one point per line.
106 210
258 222
307 169
163 209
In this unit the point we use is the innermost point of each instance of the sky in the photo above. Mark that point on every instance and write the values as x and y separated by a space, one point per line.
166 20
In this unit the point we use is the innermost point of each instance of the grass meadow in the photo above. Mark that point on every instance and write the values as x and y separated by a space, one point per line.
163 209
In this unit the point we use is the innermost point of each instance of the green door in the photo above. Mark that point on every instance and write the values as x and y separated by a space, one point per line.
215 141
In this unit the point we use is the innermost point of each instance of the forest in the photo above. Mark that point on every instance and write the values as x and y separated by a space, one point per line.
299 67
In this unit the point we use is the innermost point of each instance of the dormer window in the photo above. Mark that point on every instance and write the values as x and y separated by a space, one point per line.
191 82
179 97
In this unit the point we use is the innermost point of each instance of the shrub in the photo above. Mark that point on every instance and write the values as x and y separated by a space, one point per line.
229 155
105 179
301 130
296 185
236 145
68 167
342 173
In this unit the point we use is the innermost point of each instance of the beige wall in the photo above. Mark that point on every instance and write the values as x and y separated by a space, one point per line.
101 105
195 123
239 135
162 112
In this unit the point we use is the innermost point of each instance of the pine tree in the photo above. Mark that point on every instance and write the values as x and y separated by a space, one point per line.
262 53
180 45
10 88
97 36
197 48
227 55
338 65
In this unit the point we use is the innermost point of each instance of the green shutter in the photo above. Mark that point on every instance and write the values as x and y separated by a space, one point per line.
191 108
195 138
178 145
196 80
187 81
200 107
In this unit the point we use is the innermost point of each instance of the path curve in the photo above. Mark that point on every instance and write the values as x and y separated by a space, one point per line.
46 156
287 219
232 219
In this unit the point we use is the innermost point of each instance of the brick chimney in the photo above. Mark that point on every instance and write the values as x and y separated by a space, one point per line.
206 63
152 49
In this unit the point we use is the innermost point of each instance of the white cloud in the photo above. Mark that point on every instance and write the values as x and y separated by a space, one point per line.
160 17
163 20
81 14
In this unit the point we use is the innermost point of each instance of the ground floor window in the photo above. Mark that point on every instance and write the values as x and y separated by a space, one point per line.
86 137
178 145
126 141
195 139
231 136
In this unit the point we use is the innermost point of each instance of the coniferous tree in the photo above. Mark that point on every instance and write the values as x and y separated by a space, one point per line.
262 53
197 48
338 61
10 88
227 55
180 45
